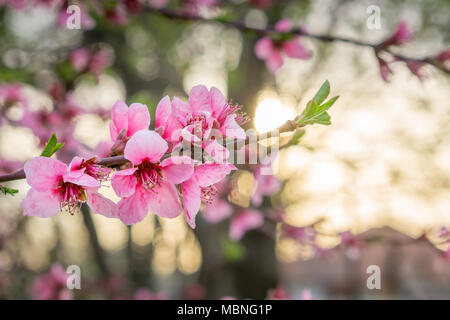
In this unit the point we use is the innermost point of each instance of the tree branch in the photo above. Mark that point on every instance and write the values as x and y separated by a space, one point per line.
288 126
175 15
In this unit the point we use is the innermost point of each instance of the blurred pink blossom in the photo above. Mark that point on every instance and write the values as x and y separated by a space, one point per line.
266 185
244 221
401 35
272 50
51 285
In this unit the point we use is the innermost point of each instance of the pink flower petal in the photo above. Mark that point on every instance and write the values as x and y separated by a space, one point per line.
283 25
102 205
199 100
41 204
74 167
44 173
119 117
177 169
191 200
243 222
135 208
124 182
294 49
231 129
138 118
164 201
217 211
217 151
163 111
218 102
145 145
83 180
210 173
264 48
274 61
183 110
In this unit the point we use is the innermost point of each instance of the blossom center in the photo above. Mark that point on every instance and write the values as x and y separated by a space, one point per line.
94 170
207 194
149 174
70 196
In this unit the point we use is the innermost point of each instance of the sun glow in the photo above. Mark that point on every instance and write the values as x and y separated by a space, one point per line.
271 114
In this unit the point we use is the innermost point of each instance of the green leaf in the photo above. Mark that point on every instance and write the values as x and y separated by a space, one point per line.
315 111
7 190
52 146
232 251
323 93
327 105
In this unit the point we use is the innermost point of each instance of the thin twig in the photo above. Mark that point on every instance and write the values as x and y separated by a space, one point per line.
377 47
289 126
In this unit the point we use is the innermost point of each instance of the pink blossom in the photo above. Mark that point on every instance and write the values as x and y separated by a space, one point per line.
11 93
401 35
200 187
244 221
54 186
60 121
51 285
79 59
272 50
126 122
207 117
150 183
219 208
100 60
417 69
385 70
267 184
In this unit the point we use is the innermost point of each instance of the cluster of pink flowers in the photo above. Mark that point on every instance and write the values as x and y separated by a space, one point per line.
402 35
272 50
153 179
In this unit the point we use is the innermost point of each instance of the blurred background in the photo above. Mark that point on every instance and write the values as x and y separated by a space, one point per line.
371 189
